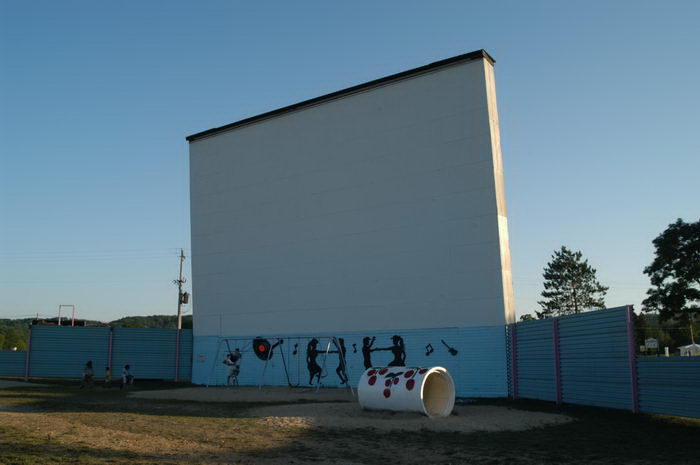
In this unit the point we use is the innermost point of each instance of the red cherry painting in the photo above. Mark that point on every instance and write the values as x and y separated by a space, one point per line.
410 383
409 373
387 393
372 380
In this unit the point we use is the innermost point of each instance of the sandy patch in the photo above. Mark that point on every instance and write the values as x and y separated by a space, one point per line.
248 394
465 419
337 408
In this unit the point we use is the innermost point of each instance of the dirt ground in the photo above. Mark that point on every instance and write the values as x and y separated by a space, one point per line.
248 394
5 384
322 412
61 423
465 419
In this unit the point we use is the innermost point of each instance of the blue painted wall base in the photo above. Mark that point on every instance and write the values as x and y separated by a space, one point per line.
477 361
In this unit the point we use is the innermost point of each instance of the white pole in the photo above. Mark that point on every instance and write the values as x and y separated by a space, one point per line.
325 356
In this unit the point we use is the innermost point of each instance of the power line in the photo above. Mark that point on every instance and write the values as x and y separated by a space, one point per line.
91 254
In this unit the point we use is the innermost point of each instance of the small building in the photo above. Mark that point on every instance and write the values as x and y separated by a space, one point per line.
691 350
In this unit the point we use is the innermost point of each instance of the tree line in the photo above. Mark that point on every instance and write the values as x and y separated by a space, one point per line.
13 333
672 305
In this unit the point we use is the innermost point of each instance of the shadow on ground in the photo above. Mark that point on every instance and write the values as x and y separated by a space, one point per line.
199 432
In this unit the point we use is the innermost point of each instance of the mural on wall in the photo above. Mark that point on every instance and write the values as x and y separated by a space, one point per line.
451 350
341 351
367 351
398 350
265 351
311 363
319 366
262 348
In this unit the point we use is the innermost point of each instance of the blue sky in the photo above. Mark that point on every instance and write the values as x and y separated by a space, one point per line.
599 105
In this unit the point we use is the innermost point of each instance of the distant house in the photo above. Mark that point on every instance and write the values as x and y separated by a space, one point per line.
691 350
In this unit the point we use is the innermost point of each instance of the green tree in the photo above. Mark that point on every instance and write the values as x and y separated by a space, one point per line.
14 338
14 333
153 321
570 286
527 317
675 275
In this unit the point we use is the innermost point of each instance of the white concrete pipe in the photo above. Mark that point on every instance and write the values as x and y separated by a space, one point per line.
428 390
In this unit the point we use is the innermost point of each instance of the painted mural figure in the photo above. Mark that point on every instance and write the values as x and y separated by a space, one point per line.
451 350
342 351
311 364
367 351
398 350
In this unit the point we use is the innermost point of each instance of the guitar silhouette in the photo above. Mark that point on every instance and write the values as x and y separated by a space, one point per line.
429 350
295 349
452 350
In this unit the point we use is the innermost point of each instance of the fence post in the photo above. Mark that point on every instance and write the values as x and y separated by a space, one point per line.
109 349
513 360
27 355
557 362
632 356
177 354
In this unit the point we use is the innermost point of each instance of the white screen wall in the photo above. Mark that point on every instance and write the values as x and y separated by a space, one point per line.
383 209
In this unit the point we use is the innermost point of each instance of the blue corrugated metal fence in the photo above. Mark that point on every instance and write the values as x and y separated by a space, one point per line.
148 351
578 359
583 359
61 352
589 359
534 360
12 362
595 366
669 385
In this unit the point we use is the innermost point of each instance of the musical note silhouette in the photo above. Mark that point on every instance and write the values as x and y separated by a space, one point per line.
451 350
295 349
429 350
354 348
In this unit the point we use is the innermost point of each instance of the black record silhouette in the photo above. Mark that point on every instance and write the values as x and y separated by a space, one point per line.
261 348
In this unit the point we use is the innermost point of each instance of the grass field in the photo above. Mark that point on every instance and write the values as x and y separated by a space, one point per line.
63 424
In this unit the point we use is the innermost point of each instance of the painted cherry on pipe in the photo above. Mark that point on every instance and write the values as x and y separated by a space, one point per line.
426 390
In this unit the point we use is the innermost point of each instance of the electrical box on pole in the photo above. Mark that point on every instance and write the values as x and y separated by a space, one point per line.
182 298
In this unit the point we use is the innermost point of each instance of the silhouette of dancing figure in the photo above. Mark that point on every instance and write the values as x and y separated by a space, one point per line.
367 351
340 345
311 364
398 350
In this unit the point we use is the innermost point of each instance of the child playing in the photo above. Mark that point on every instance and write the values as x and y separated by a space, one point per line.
127 377
234 367
87 375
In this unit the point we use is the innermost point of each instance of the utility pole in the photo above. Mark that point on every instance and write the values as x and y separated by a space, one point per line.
181 298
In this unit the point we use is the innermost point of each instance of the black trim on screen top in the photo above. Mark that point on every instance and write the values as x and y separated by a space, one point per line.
479 54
